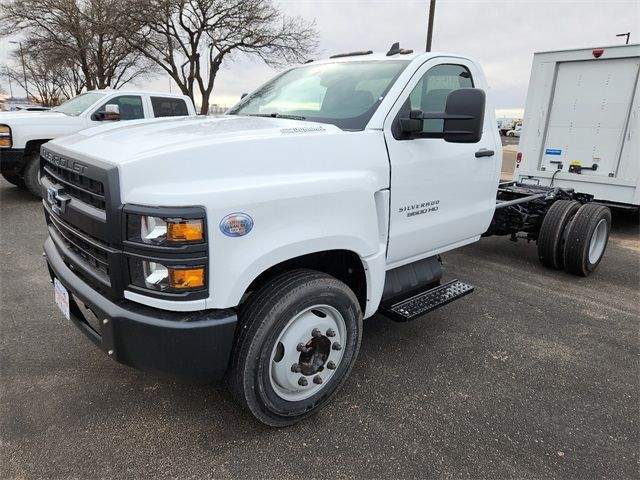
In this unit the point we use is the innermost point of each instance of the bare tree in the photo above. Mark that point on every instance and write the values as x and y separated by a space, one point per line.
39 75
81 32
188 37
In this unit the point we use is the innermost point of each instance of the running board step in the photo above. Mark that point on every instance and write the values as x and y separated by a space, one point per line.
403 310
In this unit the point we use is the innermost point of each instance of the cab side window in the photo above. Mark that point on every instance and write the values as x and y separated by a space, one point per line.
130 106
168 107
430 94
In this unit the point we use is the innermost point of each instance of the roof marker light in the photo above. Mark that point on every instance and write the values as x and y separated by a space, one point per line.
597 53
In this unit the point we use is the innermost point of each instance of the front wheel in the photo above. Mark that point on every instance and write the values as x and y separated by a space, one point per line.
298 339
13 179
31 174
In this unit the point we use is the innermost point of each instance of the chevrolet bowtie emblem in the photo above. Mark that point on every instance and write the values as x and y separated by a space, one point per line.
57 199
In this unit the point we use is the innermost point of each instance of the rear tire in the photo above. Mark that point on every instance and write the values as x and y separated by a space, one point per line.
31 174
587 239
14 179
551 239
278 381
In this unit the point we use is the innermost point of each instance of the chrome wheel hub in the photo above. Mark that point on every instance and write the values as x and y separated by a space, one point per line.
307 352
598 241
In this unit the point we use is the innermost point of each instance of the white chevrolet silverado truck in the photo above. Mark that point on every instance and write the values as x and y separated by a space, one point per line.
22 133
251 246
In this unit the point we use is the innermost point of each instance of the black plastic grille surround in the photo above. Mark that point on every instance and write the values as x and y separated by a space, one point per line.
87 223
89 249
77 185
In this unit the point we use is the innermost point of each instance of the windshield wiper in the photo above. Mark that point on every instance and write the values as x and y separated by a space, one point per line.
277 115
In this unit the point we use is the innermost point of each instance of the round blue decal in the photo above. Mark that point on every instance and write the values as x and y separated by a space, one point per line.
236 224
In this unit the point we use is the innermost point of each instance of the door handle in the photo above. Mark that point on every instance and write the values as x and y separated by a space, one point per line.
483 152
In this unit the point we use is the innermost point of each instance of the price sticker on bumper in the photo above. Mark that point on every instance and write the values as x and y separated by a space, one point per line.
62 297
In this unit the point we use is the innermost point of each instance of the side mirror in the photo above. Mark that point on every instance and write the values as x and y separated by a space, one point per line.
463 117
112 112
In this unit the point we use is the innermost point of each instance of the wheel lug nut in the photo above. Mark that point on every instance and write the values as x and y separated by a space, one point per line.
317 379
336 346
331 365
302 348
316 333
295 368
331 333
303 382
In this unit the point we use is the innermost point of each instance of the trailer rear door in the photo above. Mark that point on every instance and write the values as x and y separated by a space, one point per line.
590 112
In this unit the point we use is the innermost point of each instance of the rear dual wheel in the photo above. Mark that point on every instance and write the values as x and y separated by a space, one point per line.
587 239
552 236
574 237
298 339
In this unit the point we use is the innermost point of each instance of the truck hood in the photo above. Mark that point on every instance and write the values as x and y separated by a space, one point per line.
132 140
35 118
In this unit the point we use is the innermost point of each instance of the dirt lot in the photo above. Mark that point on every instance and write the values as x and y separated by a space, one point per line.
534 375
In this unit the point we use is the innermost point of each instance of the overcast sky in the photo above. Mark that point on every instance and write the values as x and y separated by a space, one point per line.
502 35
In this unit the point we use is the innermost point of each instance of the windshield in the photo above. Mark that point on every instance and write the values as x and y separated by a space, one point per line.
79 104
345 94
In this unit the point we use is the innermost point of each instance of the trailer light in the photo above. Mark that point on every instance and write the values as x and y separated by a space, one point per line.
597 53
159 277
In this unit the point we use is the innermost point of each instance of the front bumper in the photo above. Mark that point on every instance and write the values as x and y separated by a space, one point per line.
194 344
11 160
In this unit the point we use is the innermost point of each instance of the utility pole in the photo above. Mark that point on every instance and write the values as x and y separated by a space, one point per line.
432 11
9 78
24 70
628 34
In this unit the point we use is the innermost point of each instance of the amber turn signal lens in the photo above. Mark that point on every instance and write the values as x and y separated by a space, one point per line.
5 142
4 129
192 278
187 231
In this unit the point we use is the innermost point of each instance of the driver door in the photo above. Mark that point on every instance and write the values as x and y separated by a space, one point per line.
442 195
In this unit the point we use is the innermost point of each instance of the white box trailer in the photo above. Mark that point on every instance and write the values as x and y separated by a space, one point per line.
581 123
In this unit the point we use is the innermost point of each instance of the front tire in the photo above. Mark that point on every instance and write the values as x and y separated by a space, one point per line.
587 239
14 179
298 339
31 174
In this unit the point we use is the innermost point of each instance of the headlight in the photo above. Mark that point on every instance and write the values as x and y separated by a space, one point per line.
162 278
5 136
164 230
167 251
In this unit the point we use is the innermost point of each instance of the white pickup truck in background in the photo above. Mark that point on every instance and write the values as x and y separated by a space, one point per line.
23 133
252 245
